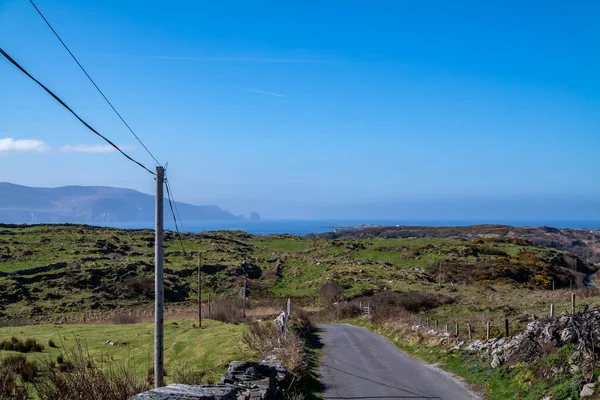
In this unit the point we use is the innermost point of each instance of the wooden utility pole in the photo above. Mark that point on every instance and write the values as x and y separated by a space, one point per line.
245 285
199 290
159 292
209 305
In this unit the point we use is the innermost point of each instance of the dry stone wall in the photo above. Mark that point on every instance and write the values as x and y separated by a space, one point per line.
243 380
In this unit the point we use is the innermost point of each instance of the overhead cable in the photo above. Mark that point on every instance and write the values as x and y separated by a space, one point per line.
58 99
93 83
169 197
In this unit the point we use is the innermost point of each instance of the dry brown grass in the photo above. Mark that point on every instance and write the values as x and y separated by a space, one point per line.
187 375
267 340
261 312
11 381
229 310
85 380
11 386
126 317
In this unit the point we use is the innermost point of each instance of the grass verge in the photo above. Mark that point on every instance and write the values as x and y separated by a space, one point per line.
548 376
208 350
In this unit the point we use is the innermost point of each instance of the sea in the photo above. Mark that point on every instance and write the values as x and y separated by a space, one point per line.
305 227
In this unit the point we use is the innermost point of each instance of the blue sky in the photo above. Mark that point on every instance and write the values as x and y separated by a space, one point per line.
316 109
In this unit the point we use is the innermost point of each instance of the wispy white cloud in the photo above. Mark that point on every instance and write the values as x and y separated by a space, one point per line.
261 92
92 148
10 145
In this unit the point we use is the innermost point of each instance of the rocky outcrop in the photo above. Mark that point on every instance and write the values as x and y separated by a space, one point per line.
243 380
581 329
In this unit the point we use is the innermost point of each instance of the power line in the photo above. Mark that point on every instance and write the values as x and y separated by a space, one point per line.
175 207
93 83
169 196
16 64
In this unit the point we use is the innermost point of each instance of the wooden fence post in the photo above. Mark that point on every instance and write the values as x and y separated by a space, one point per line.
488 328
572 303
551 310
506 330
436 324
456 329
469 331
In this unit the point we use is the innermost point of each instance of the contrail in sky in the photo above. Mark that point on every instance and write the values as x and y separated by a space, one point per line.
261 92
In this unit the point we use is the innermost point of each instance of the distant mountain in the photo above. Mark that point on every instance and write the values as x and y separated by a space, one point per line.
87 204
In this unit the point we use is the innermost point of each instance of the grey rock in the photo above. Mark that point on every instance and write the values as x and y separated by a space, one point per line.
568 335
496 361
187 392
588 390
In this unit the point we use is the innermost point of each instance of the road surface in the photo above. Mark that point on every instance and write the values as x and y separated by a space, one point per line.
359 364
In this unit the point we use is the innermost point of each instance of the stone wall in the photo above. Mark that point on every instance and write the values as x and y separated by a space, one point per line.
243 381
35 270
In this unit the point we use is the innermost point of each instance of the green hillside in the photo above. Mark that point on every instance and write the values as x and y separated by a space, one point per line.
56 270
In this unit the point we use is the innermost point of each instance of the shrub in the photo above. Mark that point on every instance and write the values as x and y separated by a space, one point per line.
413 302
267 340
150 376
27 346
11 385
331 292
187 376
20 366
140 285
229 310
78 377
340 311
125 318
301 322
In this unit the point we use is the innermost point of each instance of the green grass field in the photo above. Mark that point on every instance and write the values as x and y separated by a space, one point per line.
207 350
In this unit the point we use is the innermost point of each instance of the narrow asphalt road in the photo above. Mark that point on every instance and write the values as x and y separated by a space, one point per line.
359 364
